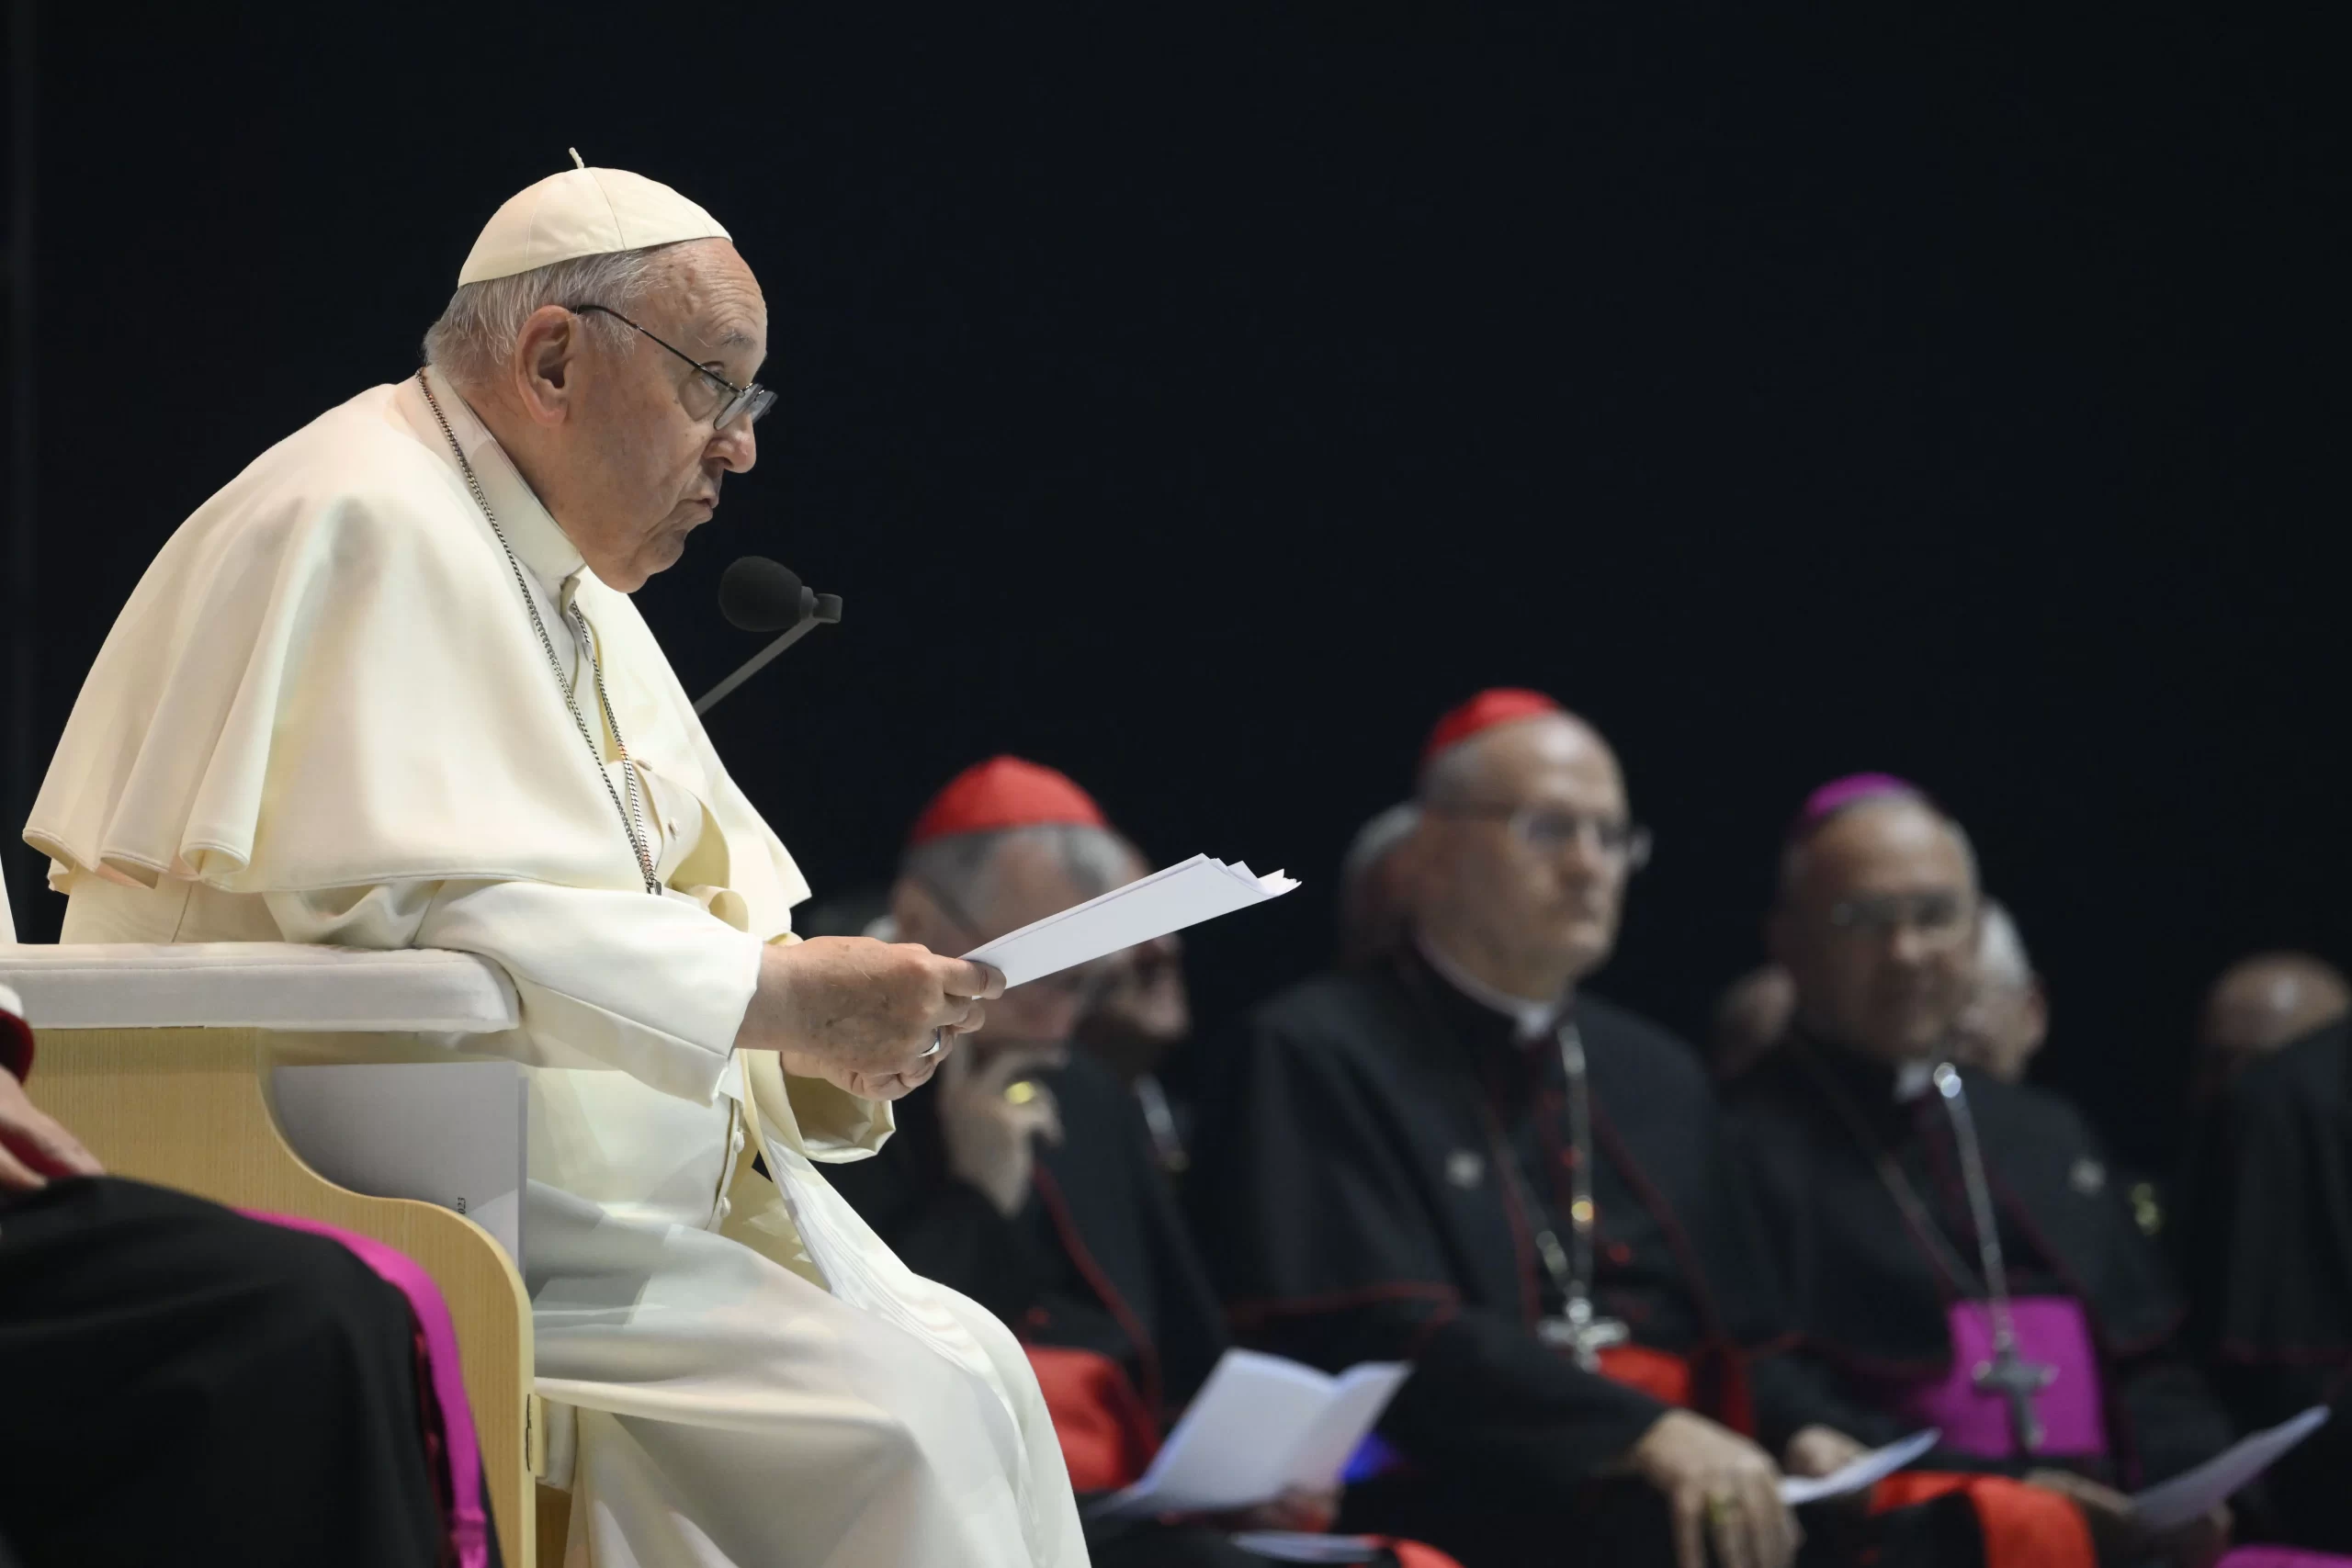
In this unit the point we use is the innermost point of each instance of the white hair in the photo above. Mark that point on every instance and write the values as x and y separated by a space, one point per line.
1375 840
964 865
481 323
2000 947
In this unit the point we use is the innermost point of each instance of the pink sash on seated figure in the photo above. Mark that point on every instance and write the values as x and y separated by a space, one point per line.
468 1519
2052 1332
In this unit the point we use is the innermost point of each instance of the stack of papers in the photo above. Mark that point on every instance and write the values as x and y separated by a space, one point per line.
1183 895
1261 1425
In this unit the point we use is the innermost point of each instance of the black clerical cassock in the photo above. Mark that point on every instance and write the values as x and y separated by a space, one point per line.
1095 1264
1865 1184
2267 1252
1388 1171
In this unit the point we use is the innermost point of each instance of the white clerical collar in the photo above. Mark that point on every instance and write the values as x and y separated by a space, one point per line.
539 539
1912 1079
1531 1019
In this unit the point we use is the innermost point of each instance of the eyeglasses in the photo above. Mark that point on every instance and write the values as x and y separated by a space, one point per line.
1549 830
1942 921
732 400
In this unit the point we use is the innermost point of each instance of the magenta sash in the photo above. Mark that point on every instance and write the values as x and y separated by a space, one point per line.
2052 1332
2282 1557
468 1519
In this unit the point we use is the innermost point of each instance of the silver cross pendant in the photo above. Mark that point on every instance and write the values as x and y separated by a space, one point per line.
2016 1381
1583 1336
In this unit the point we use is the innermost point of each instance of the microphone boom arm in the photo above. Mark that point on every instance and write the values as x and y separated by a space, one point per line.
753 665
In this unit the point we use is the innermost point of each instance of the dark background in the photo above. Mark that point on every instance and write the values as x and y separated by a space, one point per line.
1202 403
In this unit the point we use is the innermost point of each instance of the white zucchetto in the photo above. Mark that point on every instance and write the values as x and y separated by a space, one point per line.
583 212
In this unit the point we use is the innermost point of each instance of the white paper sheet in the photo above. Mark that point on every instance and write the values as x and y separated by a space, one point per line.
2190 1496
1182 895
1295 1546
1259 1425
1858 1474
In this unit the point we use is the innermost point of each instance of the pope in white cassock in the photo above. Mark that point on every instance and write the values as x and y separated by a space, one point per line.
387 688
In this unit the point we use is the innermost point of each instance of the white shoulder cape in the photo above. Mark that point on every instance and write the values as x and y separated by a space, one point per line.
327 679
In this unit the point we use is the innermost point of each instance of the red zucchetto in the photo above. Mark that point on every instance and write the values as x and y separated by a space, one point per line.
1496 705
1003 792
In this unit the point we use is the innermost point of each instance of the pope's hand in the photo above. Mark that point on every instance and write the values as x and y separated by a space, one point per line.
33 1148
861 1013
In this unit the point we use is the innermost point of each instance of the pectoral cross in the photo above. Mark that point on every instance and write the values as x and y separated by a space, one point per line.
2016 1381
1583 1336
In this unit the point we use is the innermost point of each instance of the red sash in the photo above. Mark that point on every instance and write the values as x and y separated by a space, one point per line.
1661 1374
2024 1526
1106 1435
1709 1380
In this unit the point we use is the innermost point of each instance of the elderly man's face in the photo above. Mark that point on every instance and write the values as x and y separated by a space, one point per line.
1529 862
2002 1026
647 463
1879 929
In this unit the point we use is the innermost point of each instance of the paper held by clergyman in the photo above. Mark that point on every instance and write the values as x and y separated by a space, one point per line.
2191 1495
1261 1425
1858 1474
1183 895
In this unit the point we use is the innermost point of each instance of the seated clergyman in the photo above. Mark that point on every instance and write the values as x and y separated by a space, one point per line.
387 689
1027 1177
1955 1249
181 1383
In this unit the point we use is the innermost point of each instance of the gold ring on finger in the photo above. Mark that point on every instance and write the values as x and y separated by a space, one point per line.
1718 1510
1020 1092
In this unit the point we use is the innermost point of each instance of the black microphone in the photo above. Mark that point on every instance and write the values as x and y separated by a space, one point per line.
760 595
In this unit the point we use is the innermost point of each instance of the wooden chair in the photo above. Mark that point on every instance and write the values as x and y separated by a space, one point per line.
159 1059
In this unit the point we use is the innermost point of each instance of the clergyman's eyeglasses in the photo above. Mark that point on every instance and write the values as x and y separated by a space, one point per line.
1942 920
1550 830
729 402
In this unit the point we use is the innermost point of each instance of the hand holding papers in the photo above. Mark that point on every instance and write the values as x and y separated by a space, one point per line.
1183 895
1858 1475
1260 1426
2193 1494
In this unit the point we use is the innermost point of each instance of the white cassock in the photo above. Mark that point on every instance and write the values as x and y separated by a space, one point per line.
325 717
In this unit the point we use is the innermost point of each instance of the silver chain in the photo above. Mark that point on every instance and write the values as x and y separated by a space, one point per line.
1581 1217
632 816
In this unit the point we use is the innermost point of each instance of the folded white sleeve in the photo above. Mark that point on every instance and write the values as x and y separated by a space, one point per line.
654 986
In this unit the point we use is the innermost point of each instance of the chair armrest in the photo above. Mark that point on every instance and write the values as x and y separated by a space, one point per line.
279 985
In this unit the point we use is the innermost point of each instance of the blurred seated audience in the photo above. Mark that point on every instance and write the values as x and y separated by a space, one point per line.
2258 1005
1459 1157
1874 1166
1749 1020
179 1383
1136 1026
1372 887
2267 1233
1026 1178
2006 1019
